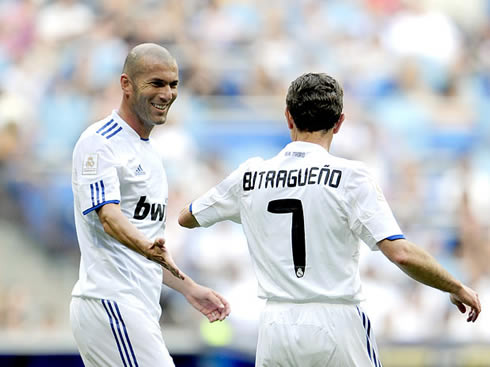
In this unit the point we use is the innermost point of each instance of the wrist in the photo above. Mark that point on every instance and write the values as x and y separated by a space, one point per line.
458 288
143 245
188 285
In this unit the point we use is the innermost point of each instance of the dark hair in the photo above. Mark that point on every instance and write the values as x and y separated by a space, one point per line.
315 101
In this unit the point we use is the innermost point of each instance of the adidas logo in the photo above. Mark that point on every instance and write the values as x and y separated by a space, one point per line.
139 171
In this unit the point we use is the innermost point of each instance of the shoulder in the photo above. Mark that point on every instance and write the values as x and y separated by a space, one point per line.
92 140
251 163
355 174
353 167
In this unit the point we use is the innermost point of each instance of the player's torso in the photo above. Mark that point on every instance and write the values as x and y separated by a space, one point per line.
293 214
108 268
144 188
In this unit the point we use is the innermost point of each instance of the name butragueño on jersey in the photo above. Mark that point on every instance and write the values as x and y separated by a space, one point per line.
256 180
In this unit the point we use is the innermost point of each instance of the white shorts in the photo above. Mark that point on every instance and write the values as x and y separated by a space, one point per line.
112 334
315 334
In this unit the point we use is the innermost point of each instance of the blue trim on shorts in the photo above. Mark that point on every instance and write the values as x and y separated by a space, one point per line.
121 337
114 333
126 333
365 319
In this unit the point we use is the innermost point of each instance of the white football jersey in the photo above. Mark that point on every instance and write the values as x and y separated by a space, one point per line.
112 164
304 213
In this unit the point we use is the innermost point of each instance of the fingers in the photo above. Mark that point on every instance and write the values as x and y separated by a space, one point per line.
216 315
461 307
475 311
473 315
220 307
213 316
470 299
225 310
160 241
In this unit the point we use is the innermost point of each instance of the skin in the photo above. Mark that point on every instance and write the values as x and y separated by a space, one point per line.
410 258
149 87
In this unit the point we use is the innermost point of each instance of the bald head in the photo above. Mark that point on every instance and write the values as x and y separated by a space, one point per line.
142 56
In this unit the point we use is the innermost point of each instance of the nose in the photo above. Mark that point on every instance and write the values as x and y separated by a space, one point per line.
165 93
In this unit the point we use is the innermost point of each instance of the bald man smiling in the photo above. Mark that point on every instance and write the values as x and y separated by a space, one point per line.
120 194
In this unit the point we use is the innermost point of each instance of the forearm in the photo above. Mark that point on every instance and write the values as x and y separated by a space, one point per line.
119 227
182 286
419 265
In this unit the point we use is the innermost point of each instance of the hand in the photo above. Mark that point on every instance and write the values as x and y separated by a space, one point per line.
469 297
208 302
158 252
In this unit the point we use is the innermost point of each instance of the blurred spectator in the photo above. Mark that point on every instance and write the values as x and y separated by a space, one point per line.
61 20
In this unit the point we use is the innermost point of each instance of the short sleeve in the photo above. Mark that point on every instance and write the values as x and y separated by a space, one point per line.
222 202
95 175
369 215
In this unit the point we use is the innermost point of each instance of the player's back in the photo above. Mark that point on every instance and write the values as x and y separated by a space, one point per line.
296 214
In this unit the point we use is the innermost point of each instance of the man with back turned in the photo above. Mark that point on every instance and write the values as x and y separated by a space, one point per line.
304 213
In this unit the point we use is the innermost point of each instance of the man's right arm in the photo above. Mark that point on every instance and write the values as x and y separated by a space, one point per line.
119 227
421 266
187 219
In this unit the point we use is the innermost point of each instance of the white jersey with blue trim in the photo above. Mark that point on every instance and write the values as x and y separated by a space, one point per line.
304 214
112 164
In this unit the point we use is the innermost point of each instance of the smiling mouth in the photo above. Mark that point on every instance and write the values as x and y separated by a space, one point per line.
161 107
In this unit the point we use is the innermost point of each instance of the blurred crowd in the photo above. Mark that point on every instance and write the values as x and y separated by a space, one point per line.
416 77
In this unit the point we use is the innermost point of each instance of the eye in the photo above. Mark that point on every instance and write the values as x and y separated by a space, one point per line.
157 84
174 85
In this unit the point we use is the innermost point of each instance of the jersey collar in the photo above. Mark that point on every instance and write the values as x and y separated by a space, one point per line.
304 146
129 130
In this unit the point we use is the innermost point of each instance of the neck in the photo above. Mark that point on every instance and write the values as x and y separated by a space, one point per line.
322 138
134 122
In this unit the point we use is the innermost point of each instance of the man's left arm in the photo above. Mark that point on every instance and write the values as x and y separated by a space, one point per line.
207 301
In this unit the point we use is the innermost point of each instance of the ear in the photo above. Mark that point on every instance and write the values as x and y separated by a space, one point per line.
338 124
289 119
126 84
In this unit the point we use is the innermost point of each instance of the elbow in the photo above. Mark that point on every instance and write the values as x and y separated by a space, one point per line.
187 220
104 220
107 227
401 258
398 252
182 221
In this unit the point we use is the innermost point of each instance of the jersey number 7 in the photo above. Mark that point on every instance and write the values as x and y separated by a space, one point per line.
295 207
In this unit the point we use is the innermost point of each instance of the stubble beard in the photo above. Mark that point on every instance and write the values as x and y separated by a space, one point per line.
143 110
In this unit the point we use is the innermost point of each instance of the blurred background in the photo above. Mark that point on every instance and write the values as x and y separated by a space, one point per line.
416 75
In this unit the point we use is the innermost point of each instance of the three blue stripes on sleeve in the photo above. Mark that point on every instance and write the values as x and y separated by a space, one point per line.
97 193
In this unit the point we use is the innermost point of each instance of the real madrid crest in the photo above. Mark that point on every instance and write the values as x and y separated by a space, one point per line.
90 164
